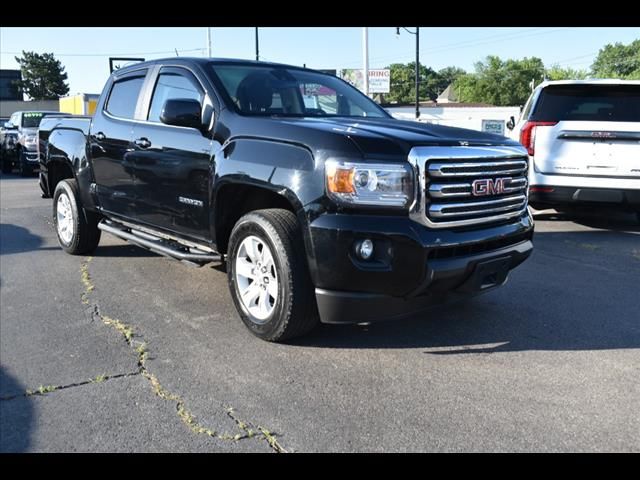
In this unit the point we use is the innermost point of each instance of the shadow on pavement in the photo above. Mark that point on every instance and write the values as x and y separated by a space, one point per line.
601 218
16 416
125 250
16 239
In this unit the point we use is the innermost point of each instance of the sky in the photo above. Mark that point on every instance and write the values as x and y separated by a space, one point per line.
85 52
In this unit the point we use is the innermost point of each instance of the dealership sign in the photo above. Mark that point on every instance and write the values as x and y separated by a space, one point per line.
379 79
493 126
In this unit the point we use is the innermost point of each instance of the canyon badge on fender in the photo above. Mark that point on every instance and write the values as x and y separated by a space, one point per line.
191 201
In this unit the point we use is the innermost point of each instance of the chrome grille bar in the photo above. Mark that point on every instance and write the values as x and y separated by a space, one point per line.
447 210
477 169
452 190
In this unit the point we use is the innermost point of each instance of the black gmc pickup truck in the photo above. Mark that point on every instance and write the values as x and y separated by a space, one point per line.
323 206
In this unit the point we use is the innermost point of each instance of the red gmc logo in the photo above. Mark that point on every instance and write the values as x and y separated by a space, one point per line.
487 186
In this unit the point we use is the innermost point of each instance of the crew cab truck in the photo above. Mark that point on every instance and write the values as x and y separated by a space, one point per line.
19 142
323 206
583 138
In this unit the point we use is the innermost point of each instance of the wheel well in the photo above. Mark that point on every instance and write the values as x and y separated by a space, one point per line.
234 201
58 171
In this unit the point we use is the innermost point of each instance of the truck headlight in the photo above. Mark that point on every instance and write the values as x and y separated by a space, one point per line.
31 141
380 184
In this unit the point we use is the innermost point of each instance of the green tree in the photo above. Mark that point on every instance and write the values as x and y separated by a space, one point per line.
43 77
432 83
556 72
618 61
499 82
447 76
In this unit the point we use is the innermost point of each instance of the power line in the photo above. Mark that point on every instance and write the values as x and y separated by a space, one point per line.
111 54
468 43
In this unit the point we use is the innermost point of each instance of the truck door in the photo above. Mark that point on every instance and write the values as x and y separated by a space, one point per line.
171 163
112 144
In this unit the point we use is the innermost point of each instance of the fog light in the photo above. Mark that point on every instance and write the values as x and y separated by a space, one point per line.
365 249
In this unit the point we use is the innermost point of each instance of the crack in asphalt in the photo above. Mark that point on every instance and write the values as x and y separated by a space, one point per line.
43 390
249 429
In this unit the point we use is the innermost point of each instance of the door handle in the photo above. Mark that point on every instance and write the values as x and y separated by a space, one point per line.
142 142
100 136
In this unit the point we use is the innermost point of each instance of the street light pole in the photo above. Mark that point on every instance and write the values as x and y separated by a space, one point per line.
257 50
209 42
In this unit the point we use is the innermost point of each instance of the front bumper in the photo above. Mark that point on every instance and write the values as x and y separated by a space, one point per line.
446 280
413 267
32 157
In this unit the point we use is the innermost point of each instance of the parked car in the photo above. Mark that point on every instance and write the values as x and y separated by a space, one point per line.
336 213
7 138
20 141
583 137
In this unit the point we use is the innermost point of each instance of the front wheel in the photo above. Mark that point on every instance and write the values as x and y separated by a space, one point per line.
77 229
268 276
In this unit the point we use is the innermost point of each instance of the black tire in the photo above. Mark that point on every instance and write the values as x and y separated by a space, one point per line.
86 234
295 312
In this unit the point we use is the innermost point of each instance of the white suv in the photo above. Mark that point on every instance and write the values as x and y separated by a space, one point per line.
583 138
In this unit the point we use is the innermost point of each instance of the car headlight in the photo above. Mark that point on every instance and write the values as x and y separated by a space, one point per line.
380 184
31 140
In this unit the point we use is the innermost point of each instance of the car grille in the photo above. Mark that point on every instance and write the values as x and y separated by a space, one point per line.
447 176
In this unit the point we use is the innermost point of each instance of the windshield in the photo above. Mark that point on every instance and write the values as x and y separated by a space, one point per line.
608 103
268 90
32 119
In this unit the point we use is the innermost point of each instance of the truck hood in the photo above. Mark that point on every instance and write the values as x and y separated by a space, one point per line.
391 136
29 131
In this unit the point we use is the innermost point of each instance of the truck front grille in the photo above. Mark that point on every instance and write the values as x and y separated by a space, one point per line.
462 186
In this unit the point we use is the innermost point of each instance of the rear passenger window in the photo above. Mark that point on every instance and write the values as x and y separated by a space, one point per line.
124 97
172 86
589 102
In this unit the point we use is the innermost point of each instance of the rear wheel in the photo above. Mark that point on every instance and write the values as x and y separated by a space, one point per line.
76 228
268 276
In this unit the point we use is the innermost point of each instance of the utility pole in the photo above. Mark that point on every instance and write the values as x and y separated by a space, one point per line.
417 34
365 59
209 42
257 49
417 73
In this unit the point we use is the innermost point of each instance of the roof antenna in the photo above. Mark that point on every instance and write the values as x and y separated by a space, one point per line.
176 52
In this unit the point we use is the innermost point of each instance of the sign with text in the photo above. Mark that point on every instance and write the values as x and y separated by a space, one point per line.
379 79
493 126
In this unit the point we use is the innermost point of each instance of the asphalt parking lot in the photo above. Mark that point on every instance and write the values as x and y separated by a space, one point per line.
130 351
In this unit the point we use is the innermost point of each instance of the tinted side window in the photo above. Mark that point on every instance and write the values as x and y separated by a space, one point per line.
613 103
124 97
172 86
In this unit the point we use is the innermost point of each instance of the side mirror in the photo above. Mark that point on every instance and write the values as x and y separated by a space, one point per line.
511 124
9 126
182 112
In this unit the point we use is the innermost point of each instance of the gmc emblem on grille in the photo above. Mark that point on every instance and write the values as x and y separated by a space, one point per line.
487 186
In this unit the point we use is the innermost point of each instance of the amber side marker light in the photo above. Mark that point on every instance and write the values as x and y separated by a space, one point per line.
340 179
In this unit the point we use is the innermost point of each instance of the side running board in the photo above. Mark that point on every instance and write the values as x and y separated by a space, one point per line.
159 245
